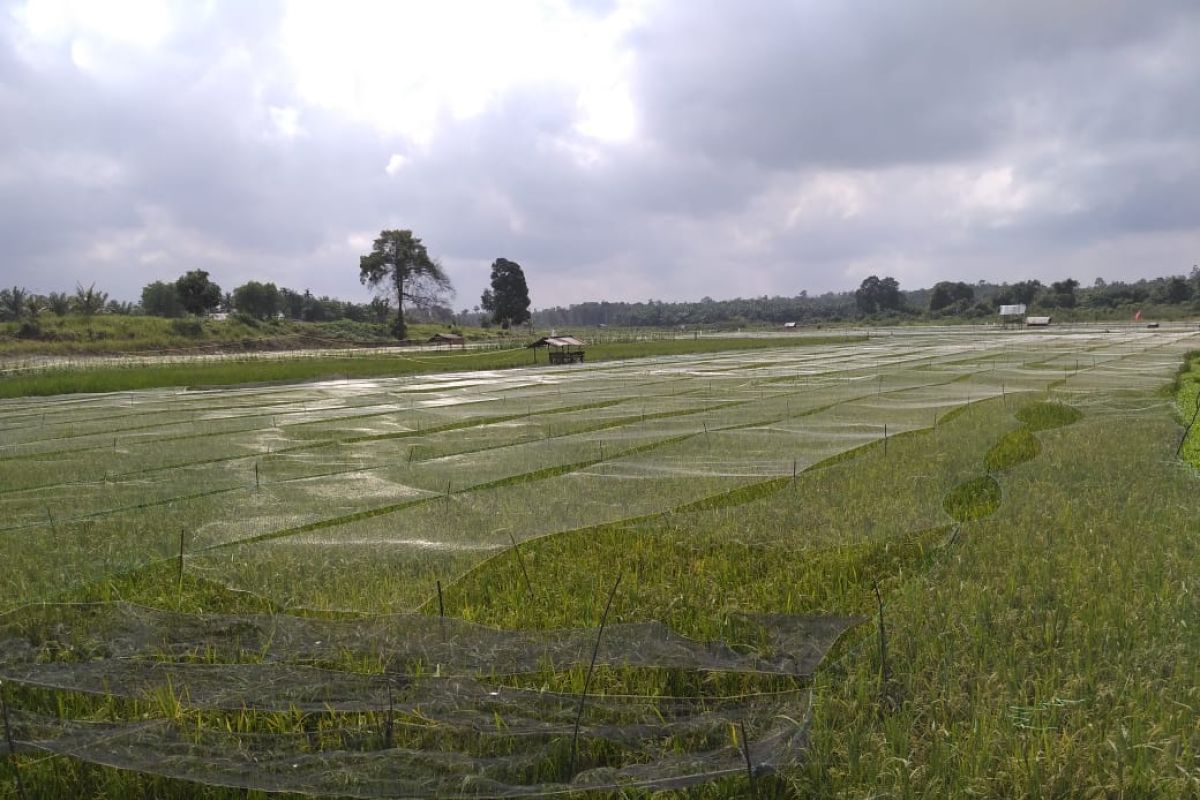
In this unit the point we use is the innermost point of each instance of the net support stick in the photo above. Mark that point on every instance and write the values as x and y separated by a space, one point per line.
749 763
587 681
8 738
521 561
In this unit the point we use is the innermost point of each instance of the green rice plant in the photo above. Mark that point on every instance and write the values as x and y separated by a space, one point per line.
1046 650
973 499
1014 448
1045 416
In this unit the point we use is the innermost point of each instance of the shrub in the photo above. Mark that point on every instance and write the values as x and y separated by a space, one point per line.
187 326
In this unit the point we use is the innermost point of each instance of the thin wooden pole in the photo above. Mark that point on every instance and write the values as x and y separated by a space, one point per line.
8 737
884 671
521 561
749 763
179 577
587 681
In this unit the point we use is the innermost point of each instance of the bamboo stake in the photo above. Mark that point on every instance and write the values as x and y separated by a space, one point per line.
587 681
8 737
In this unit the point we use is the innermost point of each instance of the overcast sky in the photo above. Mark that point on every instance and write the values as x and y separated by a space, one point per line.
616 150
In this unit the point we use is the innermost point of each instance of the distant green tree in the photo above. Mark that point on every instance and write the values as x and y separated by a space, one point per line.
259 300
89 301
1062 293
121 308
292 303
400 266
508 298
378 309
877 294
59 303
160 299
1026 291
197 293
1176 289
34 306
318 309
947 293
12 302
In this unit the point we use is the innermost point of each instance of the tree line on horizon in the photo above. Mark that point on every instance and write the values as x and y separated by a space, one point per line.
398 270
882 299
411 286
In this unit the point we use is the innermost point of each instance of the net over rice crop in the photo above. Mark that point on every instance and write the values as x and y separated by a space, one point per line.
209 554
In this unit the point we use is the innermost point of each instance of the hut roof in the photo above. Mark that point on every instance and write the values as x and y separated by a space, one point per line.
558 341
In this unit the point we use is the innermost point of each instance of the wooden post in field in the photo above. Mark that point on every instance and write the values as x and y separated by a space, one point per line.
179 577
587 681
749 763
8 738
521 562
884 670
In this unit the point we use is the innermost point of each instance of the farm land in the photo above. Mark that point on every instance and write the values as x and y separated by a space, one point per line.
999 529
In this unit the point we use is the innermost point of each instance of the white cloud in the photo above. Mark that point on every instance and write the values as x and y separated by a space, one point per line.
285 122
412 68
396 163
144 23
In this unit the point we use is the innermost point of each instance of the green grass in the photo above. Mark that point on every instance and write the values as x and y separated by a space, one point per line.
973 499
113 334
233 372
1187 403
1045 646
1015 448
1046 416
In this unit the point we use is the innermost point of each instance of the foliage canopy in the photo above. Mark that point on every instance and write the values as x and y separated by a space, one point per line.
400 266
508 297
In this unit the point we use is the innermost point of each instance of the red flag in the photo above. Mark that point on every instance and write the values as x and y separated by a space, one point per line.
1138 316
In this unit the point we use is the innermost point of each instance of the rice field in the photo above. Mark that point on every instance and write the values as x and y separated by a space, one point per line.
1014 497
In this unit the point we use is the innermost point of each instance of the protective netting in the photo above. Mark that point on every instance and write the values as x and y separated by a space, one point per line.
426 477
435 720
362 495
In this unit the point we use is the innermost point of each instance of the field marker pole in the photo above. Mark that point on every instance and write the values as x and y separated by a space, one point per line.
8 737
388 739
1188 429
749 764
179 578
884 671
587 681
521 561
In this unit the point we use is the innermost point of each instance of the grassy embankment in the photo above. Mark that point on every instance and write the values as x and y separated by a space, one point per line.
1187 400
232 372
106 334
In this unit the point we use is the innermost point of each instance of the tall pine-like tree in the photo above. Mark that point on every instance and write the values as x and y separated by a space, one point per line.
400 266
508 299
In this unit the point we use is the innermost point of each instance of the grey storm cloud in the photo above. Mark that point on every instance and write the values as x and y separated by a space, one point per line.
775 146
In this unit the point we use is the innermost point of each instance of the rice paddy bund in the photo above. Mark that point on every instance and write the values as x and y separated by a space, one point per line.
1016 503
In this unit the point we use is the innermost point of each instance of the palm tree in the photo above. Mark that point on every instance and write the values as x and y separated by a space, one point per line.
89 301
12 302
